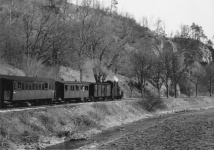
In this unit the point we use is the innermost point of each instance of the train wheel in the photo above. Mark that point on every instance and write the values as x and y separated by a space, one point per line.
50 101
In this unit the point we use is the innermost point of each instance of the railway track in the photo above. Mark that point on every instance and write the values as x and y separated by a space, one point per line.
44 106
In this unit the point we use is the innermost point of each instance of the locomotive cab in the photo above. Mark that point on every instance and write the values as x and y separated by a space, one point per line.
116 91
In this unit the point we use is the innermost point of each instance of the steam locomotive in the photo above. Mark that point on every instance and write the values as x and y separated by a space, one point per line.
18 89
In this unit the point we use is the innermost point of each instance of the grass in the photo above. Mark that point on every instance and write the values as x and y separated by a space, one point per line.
28 126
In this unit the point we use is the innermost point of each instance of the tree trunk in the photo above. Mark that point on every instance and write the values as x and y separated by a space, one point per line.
196 89
131 94
142 95
210 87
175 89
167 89
158 90
81 74
144 87
141 90
55 71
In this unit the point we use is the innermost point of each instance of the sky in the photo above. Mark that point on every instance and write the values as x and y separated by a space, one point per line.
173 12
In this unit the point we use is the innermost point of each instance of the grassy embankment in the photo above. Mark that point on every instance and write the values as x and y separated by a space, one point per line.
51 125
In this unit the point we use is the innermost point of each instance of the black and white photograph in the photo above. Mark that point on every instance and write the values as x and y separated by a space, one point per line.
106 74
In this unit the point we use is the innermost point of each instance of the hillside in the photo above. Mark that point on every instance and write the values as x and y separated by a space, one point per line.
59 40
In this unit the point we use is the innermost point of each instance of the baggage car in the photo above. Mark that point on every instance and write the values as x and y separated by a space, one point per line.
100 91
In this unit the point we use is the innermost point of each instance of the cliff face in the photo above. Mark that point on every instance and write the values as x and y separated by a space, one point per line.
196 50
206 55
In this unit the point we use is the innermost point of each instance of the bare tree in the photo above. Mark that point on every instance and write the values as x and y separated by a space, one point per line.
131 84
198 74
37 26
209 78
157 74
184 31
145 22
165 57
197 32
142 63
81 32
59 48
106 45
178 70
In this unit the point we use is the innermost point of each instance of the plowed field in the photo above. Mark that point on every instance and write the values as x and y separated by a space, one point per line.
192 130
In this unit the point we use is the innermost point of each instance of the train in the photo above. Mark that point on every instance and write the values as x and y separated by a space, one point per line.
15 90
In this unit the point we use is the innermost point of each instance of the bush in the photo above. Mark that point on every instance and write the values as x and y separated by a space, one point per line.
152 102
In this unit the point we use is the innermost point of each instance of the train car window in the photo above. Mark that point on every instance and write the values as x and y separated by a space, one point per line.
19 85
72 88
43 86
26 86
40 86
30 86
33 86
23 86
86 88
46 86
15 84
66 87
77 87
50 86
82 88
36 86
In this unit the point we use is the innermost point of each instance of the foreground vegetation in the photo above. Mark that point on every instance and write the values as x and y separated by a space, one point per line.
48 126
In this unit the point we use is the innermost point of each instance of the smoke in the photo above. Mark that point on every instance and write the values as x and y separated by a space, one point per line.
95 65
36 68
116 79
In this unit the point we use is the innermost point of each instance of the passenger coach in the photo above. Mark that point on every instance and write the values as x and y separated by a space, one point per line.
72 91
14 89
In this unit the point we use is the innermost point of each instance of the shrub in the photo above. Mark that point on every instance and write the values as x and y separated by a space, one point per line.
152 102
29 137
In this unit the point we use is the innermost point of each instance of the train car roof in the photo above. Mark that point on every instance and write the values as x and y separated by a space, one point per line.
23 78
73 82
101 82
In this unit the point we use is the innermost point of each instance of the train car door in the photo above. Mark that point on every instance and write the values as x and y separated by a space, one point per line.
1 93
108 90
1 98
66 91
7 90
77 91
82 90
99 90
86 93
96 90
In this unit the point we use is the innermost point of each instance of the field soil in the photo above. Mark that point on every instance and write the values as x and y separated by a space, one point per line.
46 126
189 130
